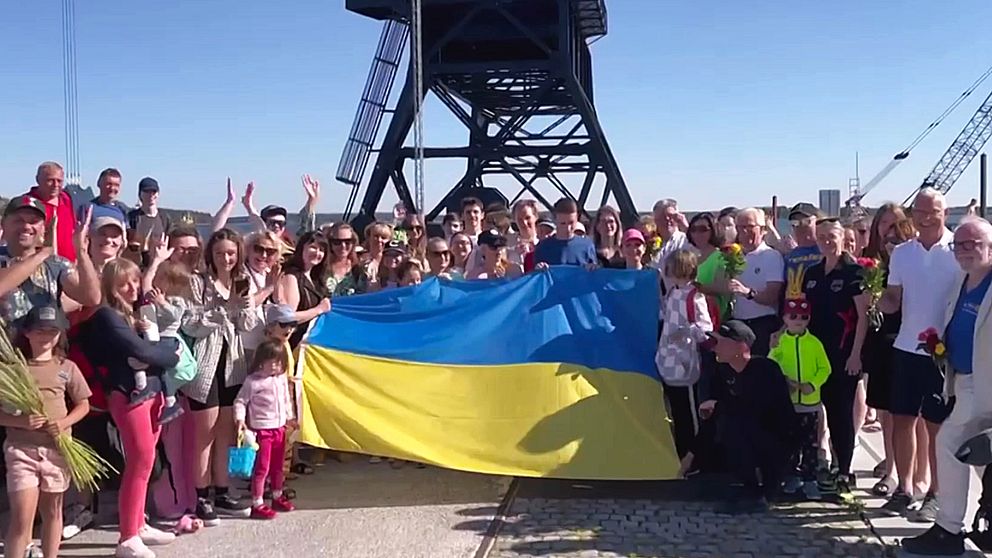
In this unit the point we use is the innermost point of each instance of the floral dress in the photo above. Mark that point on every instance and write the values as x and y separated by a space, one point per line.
354 282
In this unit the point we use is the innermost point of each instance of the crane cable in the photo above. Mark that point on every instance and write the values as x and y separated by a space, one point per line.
70 92
902 155
417 63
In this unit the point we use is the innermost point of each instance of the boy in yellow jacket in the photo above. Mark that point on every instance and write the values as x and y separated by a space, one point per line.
804 362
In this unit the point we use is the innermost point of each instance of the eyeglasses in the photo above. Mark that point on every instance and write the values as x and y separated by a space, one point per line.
966 245
342 241
265 250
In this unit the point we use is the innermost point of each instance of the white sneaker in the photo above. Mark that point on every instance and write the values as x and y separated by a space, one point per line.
79 518
155 537
133 548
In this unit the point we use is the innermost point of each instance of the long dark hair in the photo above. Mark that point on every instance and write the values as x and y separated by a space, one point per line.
220 236
876 244
319 272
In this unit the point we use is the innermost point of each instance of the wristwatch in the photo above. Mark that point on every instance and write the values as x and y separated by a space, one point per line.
750 294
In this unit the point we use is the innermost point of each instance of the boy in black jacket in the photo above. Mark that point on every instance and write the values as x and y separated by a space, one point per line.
748 397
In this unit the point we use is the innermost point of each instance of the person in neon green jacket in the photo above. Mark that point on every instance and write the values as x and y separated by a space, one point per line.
804 363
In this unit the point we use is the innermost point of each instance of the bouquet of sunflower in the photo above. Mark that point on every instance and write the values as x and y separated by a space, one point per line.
733 261
19 395
873 282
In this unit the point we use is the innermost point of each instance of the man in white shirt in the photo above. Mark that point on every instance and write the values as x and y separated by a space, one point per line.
759 288
922 274
667 220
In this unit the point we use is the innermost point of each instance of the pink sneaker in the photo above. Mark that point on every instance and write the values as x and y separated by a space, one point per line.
283 504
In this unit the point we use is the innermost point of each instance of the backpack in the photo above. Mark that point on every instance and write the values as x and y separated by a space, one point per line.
712 308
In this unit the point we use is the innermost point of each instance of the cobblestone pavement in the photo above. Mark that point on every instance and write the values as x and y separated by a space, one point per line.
679 529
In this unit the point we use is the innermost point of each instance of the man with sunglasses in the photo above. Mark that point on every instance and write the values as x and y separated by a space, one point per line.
802 217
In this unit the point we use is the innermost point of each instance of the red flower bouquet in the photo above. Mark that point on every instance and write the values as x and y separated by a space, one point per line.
873 282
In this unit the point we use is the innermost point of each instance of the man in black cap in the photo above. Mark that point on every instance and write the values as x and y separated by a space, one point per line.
274 217
803 218
146 224
748 397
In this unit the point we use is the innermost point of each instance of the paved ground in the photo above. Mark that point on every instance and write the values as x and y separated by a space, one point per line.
348 510
362 510
573 520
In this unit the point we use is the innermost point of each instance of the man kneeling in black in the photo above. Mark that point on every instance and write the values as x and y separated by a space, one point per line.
748 397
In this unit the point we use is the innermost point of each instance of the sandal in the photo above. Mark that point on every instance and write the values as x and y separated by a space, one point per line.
301 468
884 487
879 471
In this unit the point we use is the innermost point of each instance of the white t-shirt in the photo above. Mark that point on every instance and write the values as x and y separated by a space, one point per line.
764 265
927 278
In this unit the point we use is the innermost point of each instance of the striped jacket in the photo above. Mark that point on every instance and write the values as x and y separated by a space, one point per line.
210 321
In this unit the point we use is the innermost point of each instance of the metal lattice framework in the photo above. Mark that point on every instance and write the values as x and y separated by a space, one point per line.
517 74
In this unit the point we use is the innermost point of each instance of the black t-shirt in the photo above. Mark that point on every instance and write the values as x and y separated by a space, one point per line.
831 296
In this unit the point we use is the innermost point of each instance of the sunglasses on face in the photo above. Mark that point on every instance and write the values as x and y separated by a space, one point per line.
441 253
187 250
699 228
264 250
275 224
342 241
287 325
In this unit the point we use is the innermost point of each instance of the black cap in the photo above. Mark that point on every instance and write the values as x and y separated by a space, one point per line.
24 202
736 330
148 184
492 239
272 210
45 317
803 210
395 246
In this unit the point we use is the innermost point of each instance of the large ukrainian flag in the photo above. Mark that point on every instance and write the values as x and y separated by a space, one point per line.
549 375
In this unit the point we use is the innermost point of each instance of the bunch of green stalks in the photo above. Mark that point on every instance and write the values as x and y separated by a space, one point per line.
19 395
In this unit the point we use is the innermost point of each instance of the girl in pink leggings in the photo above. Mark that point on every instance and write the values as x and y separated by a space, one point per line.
264 404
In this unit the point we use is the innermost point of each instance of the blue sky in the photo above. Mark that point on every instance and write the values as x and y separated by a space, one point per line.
713 103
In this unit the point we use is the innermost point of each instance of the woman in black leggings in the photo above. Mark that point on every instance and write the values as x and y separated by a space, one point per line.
839 320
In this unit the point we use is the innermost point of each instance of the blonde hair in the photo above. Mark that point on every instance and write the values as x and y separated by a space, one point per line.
682 264
112 273
173 279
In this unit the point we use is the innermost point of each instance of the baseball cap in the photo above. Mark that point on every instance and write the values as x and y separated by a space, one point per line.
798 306
41 317
271 211
803 210
547 223
633 234
395 246
579 227
24 202
148 184
106 221
736 330
279 314
492 239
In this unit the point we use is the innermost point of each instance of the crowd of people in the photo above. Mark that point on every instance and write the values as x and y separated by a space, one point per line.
770 350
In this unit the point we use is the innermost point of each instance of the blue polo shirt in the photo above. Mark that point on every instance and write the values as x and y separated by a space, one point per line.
578 250
961 331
